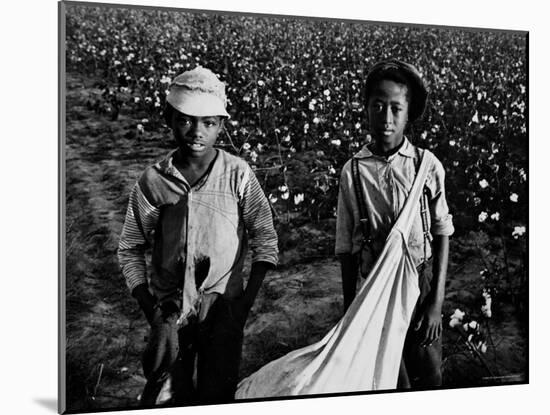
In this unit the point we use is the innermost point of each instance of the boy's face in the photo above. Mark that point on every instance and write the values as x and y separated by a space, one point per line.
195 136
387 111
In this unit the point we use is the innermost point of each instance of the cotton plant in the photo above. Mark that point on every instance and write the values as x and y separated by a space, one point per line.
473 331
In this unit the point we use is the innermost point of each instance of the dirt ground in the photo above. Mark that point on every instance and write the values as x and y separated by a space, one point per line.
297 305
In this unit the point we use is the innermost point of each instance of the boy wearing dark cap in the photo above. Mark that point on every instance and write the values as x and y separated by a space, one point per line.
374 186
200 208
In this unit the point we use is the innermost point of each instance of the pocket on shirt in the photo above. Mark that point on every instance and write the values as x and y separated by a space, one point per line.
416 237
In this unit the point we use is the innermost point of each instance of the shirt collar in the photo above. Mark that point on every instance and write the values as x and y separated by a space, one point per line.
166 165
407 150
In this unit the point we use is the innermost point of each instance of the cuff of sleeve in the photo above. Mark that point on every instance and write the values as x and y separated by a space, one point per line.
272 259
443 228
342 249
133 282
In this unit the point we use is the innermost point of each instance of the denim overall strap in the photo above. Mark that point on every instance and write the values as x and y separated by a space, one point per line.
423 211
363 219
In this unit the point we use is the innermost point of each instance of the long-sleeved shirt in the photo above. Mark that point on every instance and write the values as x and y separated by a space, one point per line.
386 183
200 233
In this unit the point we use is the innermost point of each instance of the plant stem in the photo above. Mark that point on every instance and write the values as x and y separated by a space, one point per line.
284 173
231 141
98 379
490 337
503 241
258 112
477 353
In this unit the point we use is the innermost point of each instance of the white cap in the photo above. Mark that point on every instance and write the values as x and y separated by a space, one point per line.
198 93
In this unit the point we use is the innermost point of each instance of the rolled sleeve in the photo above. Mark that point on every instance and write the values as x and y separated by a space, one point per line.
344 214
441 219
258 221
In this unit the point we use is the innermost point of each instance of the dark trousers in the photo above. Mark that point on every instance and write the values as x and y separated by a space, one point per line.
420 366
207 363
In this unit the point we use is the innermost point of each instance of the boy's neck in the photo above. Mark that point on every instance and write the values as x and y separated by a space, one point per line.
380 149
194 169
195 163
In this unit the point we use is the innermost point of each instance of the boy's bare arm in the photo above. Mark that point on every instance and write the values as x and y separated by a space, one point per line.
441 260
349 269
257 274
430 319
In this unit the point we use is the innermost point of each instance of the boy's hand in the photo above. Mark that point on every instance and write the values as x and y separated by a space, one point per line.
163 346
146 301
240 308
431 324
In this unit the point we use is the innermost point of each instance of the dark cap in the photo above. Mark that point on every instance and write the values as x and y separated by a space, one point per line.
419 92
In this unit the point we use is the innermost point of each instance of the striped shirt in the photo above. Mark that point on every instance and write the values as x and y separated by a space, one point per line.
200 234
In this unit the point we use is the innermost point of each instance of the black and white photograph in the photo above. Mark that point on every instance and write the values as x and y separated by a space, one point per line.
266 206
274 207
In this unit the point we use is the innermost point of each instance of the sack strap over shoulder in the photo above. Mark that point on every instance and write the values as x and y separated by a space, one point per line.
363 217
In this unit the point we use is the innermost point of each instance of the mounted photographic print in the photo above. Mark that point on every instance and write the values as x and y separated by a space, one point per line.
264 206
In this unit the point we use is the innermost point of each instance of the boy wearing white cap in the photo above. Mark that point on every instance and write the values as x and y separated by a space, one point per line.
200 208
374 186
